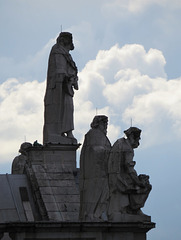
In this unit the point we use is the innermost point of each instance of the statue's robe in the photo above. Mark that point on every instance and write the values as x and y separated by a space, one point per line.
58 115
94 190
126 196
18 165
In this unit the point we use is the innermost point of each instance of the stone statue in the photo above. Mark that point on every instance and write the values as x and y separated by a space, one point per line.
94 190
19 162
61 80
128 191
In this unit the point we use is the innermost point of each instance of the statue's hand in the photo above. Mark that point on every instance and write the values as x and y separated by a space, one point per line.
76 87
142 185
75 83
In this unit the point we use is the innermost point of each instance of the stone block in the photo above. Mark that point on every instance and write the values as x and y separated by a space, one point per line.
45 190
54 176
65 190
57 168
35 156
119 236
60 176
67 198
48 198
69 207
118 217
62 207
51 172
38 168
43 182
70 216
62 183
51 207
55 216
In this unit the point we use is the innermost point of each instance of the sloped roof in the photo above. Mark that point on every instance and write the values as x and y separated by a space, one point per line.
12 204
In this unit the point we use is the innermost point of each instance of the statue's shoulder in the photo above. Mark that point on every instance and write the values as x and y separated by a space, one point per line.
119 145
57 49
96 137
93 134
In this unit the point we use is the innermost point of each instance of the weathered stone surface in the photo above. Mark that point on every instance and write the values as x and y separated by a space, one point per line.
61 80
48 198
52 206
55 176
128 191
70 216
18 165
55 216
53 181
94 189
62 183
69 207
78 231
67 198
38 168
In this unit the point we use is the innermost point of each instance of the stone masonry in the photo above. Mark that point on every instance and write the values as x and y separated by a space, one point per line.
52 173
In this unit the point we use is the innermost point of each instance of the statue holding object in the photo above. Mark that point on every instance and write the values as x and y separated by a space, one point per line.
110 189
61 81
128 191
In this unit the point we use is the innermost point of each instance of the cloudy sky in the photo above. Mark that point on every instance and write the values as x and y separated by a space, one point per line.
128 56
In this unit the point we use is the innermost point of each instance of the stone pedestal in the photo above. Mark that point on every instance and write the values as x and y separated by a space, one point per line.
52 173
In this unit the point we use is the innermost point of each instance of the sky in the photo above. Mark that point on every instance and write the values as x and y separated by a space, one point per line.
128 56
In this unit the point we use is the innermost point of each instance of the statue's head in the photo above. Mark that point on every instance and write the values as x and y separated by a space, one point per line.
65 39
133 135
100 122
24 146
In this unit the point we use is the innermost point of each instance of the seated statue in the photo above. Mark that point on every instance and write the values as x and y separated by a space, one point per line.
94 190
128 191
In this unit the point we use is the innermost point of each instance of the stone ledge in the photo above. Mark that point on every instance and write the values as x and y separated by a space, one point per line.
55 147
76 226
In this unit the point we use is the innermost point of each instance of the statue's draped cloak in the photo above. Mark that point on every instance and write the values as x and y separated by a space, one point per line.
125 194
118 178
94 190
58 102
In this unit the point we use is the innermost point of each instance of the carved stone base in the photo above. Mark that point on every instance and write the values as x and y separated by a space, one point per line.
51 171
55 139
78 231
118 217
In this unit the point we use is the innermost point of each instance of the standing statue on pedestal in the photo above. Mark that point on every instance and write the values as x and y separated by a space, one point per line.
94 190
128 191
61 80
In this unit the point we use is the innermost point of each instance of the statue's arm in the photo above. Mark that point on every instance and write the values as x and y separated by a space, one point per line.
129 165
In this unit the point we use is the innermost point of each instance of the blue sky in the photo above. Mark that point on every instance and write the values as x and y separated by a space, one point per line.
128 56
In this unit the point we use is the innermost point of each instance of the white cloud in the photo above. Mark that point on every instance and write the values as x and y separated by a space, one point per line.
158 110
137 6
121 83
132 83
21 115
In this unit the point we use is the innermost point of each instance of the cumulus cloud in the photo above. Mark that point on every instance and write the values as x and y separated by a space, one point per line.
137 6
132 84
21 115
123 83
158 110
